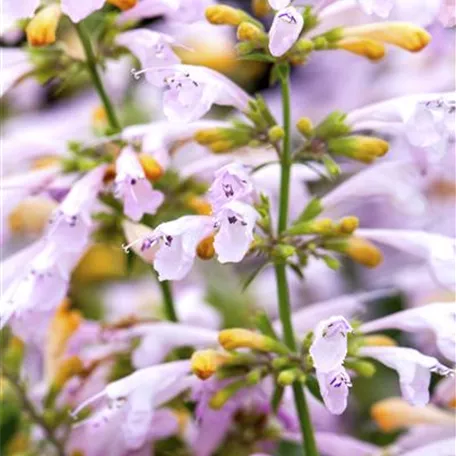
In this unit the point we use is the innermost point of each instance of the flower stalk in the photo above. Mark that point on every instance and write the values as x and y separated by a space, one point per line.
280 269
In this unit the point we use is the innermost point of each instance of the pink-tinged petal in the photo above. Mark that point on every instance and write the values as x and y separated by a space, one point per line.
334 389
77 10
151 48
285 31
279 4
236 221
442 447
335 445
141 239
329 347
15 64
447 14
23 9
440 318
232 182
179 240
413 367
133 188
381 8
437 250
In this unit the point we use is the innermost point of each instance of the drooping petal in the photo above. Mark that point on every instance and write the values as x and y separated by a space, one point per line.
285 30
236 222
439 318
77 10
334 388
329 347
413 367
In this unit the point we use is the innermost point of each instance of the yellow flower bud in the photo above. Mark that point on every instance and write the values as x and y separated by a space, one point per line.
348 224
304 126
276 133
66 369
199 205
220 147
373 50
205 362
205 249
31 215
45 161
123 4
261 8
42 28
151 167
208 136
364 252
379 340
402 34
362 148
250 32
394 413
99 119
225 15
231 339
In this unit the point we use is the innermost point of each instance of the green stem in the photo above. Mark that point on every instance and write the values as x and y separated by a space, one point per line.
97 82
32 412
168 301
280 269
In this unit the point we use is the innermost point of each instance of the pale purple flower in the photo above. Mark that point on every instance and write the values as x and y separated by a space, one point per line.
437 250
447 13
15 65
329 348
77 10
413 367
441 447
279 4
440 318
235 223
190 91
172 245
231 183
133 188
159 339
285 30
334 389
13 10
151 48
71 222
132 401
380 8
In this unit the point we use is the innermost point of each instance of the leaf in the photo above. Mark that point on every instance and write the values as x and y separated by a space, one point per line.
314 388
263 323
312 210
297 270
258 57
252 276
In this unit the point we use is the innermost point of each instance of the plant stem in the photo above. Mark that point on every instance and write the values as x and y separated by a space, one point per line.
31 410
280 269
168 301
97 82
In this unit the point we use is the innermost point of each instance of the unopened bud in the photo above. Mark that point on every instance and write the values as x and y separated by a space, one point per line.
362 148
276 133
225 15
321 226
361 367
66 369
123 4
31 216
221 397
261 8
220 147
358 249
305 126
402 34
287 377
250 32
373 50
205 362
331 262
199 205
379 340
208 136
205 249
348 224
99 119
42 28
151 167
231 339
320 43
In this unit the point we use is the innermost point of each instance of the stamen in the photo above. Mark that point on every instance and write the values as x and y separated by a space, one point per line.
87 402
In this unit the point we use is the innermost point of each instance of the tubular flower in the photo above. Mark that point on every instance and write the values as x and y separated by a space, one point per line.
42 28
285 30
334 388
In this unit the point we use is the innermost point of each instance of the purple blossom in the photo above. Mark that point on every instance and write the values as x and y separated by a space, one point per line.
285 30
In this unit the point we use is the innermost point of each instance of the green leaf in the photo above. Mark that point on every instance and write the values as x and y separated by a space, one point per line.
264 325
257 57
312 210
312 386
253 276
297 270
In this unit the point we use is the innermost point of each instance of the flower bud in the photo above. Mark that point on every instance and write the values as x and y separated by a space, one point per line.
205 249
230 339
221 397
261 8
287 377
402 34
123 4
250 32
205 363
379 340
199 205
151 167
305 126
276 133
358 249
321 226
362 148
363 368
394 414
100 120
373 50
42 28
225 15
348 224
66 369
31 216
